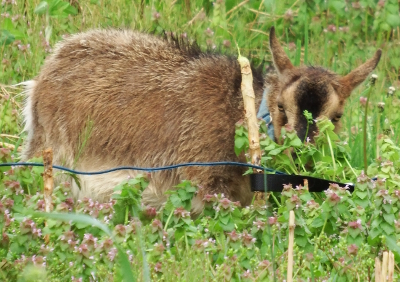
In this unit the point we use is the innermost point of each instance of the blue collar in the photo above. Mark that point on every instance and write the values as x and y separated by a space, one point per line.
264 114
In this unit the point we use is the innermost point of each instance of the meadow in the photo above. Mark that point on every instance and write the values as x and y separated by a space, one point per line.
338 235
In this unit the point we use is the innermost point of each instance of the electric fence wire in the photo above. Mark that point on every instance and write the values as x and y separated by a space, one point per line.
147 169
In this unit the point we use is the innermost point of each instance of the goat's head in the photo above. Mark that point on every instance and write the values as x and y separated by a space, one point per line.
317 90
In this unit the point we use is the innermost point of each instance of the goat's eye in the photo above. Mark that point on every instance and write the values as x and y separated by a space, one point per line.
280 108
337 118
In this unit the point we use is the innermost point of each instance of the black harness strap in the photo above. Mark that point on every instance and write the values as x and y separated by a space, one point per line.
275 182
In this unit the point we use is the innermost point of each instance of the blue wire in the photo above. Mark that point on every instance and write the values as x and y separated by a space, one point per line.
149 169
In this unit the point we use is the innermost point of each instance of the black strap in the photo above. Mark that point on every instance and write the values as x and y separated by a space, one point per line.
275 182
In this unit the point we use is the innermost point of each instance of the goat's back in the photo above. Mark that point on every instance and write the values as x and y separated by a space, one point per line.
107 98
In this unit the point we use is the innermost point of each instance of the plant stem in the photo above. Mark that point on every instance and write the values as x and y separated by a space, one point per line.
365 131
355 174
275 199
333 156
312 271
168 220
323 227
292 164
306 42
305 137
378 122
322 231
344 175
298 53
3 115
126 215
186 241
301 163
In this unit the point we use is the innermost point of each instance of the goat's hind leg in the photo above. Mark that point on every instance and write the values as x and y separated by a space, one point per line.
34 143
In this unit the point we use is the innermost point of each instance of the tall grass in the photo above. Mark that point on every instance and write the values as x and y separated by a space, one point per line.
318 34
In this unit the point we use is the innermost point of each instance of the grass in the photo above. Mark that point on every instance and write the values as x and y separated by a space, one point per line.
341 36
335 34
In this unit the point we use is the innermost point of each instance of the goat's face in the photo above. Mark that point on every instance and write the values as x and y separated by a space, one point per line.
319 91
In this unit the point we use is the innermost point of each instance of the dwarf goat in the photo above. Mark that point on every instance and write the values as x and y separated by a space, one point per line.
108 98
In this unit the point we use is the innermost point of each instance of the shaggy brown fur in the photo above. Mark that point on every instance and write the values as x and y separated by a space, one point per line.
152 102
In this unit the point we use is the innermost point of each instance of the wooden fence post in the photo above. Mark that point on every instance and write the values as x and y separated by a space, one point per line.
48 178
385 258
48 182
250 110
292 225
384 271
390 267
378 268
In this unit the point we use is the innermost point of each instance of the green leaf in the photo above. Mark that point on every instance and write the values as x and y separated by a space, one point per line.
296 142
318 222
71 10
15 248
384 26
191 189
228 227
239 131
125 266
270 6
21 239
51 223
47 32
175 200
179 233
363 203
61 256
270 147
77 218
389 218
393 20
8 25
55 5
301 241
41 8
354 232
306 197
75 178
343 208
245 264
376 222
81 225
361 194
6 37
391 243
183 194
387 208
275 152
224 219
240 142
389 229
358 240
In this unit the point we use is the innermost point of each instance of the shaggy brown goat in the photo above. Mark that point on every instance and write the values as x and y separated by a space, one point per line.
108 98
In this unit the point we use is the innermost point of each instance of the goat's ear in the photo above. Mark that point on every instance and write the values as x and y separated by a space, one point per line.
281 60
358 75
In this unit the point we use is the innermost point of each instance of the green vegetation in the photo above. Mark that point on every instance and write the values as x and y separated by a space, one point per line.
338 235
